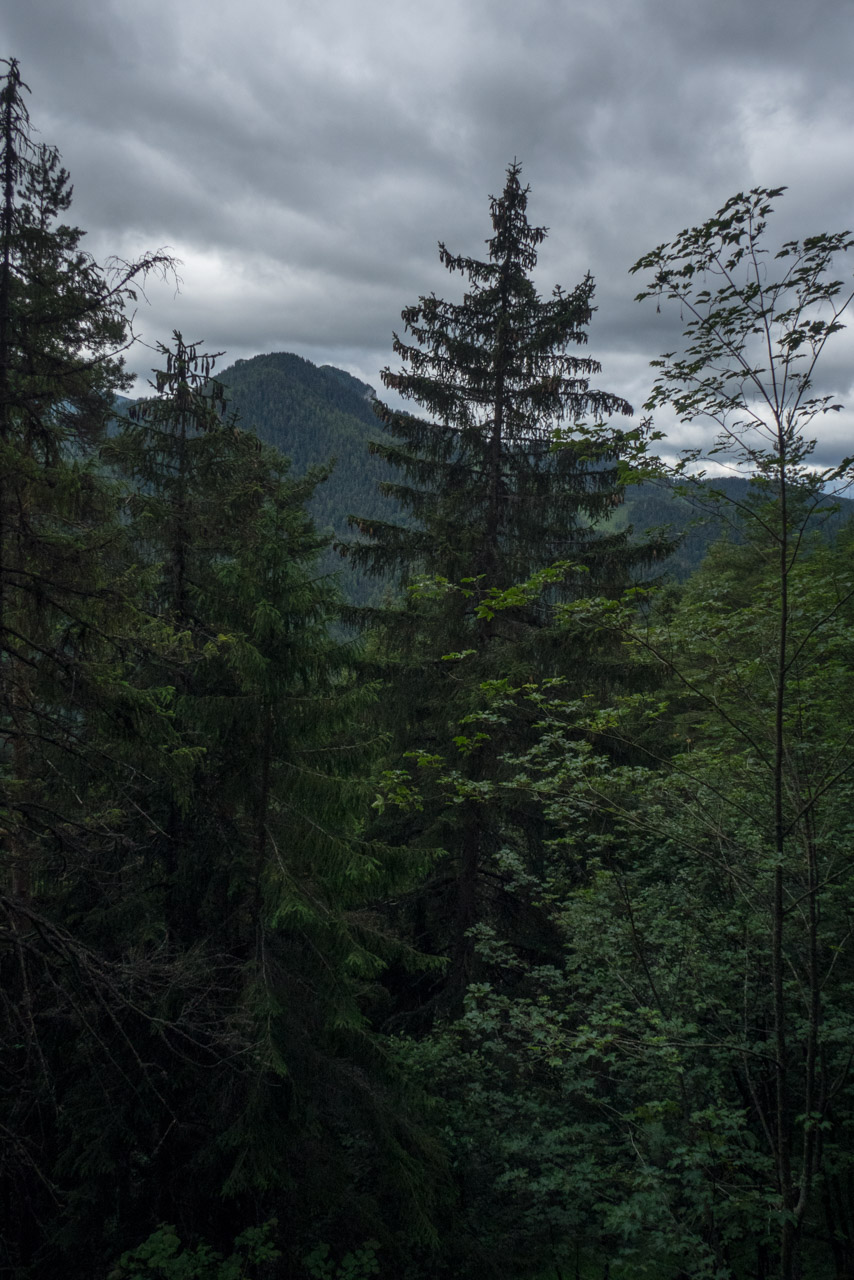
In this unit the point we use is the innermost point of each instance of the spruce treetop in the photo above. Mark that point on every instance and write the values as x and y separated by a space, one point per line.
496 375
501 355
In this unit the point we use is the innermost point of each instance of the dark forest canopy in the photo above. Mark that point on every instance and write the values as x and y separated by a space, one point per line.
489 916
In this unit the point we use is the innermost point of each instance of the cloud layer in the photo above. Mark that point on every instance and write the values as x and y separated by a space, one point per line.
303 165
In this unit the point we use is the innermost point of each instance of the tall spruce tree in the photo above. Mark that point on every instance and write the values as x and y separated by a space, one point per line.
220 532
72 980
256 843
497 374
63 327
491 501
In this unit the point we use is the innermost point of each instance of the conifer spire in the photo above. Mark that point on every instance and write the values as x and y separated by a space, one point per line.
492 502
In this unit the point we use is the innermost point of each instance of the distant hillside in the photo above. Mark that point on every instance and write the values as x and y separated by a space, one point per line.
313 415
700 521
316 413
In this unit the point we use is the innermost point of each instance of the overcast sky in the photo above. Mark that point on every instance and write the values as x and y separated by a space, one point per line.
303 160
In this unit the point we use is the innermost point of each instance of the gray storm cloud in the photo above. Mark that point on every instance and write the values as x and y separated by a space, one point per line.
303 165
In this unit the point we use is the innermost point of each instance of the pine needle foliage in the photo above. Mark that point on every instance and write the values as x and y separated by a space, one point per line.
63 327
264 864
509 479
497 375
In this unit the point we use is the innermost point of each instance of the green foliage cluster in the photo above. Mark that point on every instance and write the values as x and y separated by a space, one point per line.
692 1048
162 1258
513 940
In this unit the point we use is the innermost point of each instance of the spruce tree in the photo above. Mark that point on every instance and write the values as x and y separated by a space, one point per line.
63 327
73 976
491 498
65 613
220 533
256 840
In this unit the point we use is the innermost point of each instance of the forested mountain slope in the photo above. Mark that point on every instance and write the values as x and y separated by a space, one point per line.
315 414
702 522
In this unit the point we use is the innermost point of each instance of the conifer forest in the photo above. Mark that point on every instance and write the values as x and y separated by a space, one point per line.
422 867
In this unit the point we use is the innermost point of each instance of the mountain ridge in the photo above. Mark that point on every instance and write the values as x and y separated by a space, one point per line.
317 414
